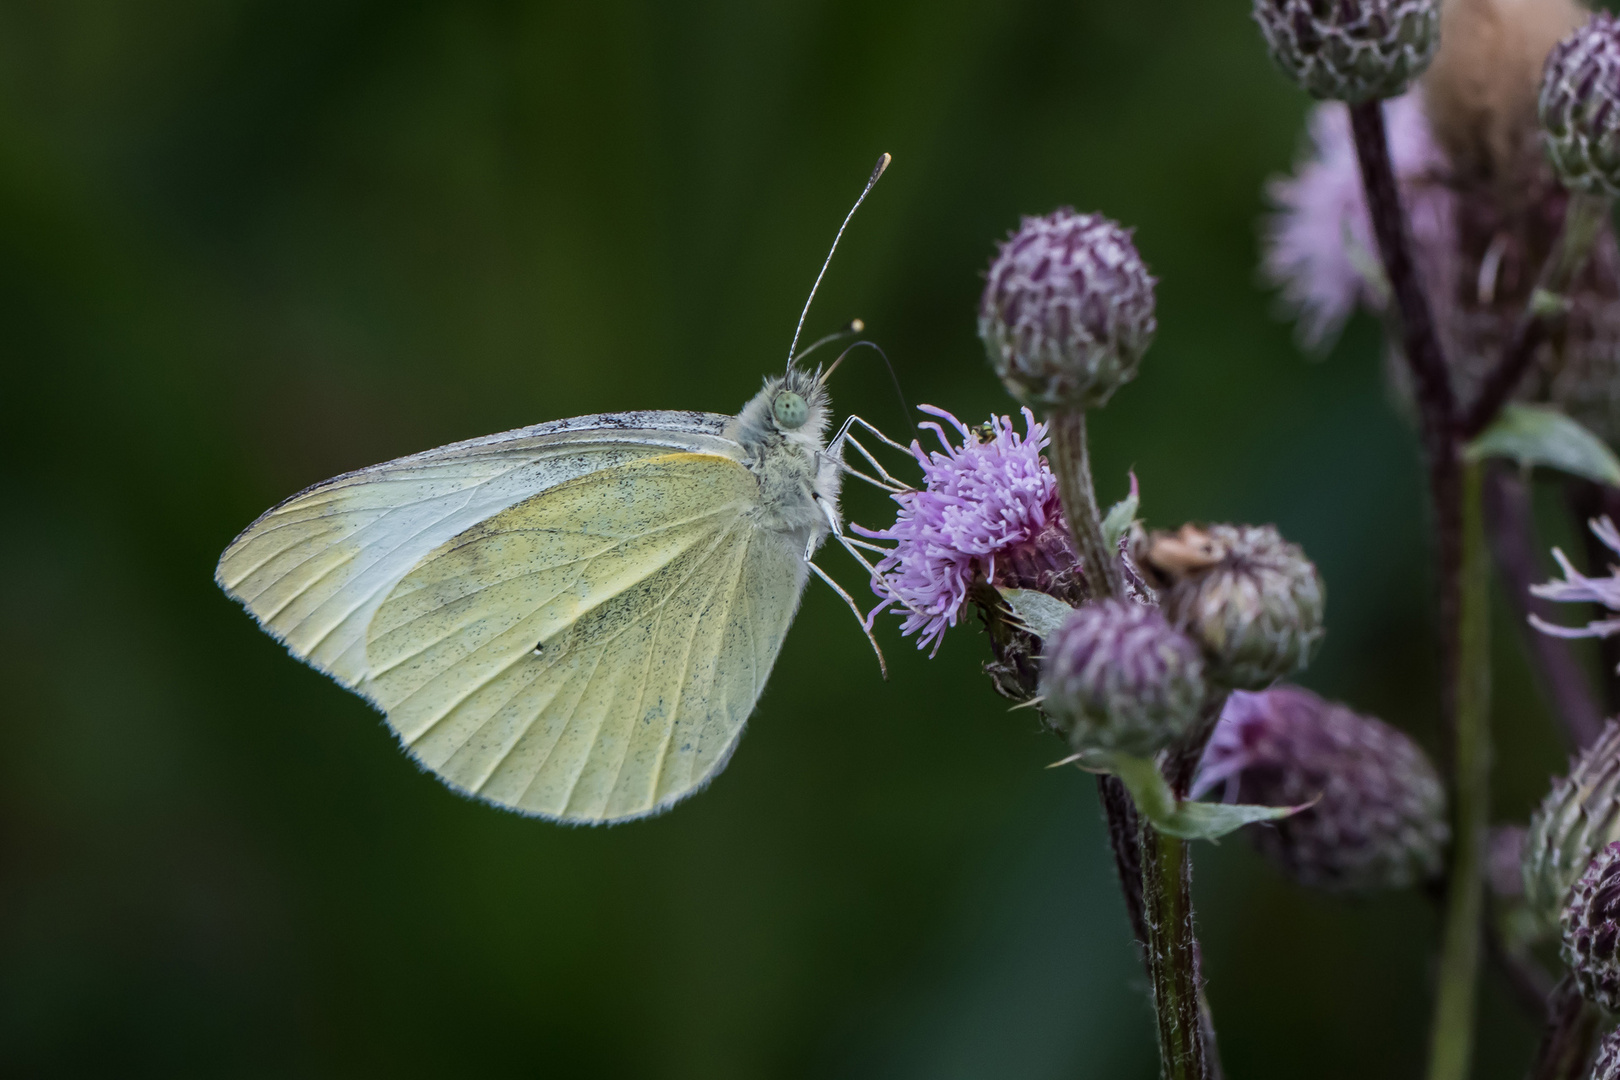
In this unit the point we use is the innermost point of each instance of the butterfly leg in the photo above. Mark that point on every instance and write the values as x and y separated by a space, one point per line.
834 448
854 607
852 420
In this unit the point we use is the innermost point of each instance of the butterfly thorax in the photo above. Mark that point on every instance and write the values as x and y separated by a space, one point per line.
785 449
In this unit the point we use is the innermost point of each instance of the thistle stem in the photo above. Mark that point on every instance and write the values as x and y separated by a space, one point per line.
1162 914
1452 1036
1436 403
1464 627
1071 461
1172 954
1583 220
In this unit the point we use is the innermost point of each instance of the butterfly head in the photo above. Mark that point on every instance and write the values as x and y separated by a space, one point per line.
792 408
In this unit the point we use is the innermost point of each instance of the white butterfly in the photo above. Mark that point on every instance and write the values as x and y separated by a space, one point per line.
572 620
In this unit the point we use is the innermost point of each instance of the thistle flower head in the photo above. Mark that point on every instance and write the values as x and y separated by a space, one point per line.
1579 107
1068 310
1607 1065
1251 599
1118 676
1319 244
1590 926
988 508
1379 819
1577 588
1351 50
1579 816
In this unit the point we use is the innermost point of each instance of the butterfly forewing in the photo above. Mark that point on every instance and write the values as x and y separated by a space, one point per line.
314 569
592 652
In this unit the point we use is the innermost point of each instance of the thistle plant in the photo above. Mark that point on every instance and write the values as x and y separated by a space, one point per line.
1433 199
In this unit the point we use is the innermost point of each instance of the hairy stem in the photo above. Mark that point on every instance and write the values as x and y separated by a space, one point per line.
1071 461
1583 220
1512 531
1164 867
1173 955
1566 1041
1452 1036
1124 833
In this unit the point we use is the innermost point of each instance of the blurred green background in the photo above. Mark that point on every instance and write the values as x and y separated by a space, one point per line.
247 245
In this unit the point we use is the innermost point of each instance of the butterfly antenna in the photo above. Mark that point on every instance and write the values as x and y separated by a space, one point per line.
882 163
855 326
905 409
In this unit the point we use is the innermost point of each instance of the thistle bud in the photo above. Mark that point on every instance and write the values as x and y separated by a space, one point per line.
1351 50
1067 311
1591 930
1117 676
1579 107
1579 816
1607 1065
1379 819
1252 600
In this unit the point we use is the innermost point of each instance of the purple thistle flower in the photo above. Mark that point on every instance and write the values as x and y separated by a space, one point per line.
1577 588
988 507
1378 820
1319 241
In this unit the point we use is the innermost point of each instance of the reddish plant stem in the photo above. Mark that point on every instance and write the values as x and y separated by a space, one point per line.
1436 403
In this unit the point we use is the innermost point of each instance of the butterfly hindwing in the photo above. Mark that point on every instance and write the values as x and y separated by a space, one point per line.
592 652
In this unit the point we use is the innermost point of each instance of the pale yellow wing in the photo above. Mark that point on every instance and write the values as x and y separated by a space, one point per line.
314 569
591 653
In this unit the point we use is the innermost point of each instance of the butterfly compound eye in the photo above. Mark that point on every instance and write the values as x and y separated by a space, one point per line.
790 410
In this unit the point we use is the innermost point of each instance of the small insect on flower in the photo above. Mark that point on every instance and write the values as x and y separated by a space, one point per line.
989 509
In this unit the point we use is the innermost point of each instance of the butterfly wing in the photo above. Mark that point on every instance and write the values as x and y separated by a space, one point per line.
314 569
591 653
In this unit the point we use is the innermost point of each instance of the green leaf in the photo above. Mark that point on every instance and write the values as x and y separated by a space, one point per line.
1178 817
1040 614
1537 435
1118 520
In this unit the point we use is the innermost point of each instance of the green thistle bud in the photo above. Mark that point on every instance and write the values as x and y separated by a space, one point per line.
1591 930
1252 600
1351 50
1580 107
1067 310
1117 676
1578 817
